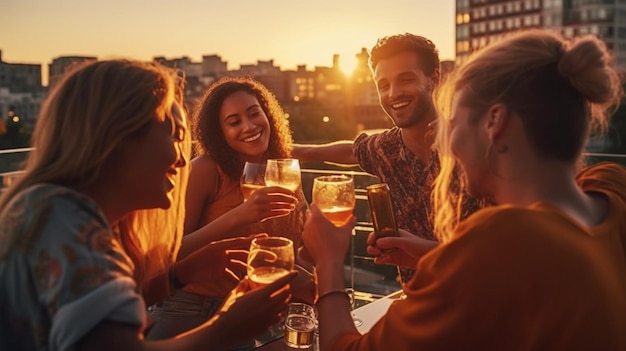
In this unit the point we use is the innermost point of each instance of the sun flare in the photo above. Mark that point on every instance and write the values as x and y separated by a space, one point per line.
347 65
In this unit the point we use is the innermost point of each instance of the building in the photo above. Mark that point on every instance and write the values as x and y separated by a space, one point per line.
269 75
20 77
21 92
60 65
479 22
363 102
192 71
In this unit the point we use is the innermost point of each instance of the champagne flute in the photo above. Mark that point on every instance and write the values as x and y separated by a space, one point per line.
252 178
334 196
284 173
269 258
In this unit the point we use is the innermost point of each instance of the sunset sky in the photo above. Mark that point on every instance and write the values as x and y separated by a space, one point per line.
291 32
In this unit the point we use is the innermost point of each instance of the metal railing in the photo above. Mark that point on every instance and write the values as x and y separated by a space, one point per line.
370 280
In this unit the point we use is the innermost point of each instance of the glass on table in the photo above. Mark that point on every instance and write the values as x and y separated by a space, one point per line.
269 258
300 325
252 178
284 173
334 196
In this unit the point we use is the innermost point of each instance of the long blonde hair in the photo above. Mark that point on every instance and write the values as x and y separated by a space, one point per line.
83 120
553 84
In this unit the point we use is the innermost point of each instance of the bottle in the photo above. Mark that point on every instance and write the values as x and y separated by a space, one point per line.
381 208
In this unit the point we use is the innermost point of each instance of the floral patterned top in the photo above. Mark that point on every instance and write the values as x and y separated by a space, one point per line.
409 178
62 271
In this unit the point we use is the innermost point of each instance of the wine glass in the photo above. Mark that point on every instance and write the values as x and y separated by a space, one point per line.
284 173
357 321
269 258
334 196
252 178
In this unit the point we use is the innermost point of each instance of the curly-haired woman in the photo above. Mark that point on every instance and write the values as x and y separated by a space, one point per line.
237 120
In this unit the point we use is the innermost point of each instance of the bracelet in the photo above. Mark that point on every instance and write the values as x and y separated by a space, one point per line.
173 279
332 292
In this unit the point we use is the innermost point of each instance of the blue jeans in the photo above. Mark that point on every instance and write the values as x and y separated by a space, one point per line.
184 311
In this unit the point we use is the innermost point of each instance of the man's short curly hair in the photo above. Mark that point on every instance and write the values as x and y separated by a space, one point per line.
208 131
391 45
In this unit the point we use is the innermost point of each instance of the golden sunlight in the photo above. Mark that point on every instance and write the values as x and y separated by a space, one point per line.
347 64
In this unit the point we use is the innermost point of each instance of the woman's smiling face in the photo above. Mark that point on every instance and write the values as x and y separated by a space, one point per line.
245 125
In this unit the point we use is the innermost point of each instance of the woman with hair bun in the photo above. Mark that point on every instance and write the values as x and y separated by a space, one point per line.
543 269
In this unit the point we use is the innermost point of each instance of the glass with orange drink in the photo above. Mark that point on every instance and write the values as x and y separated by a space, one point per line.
252 178
334 196
269 258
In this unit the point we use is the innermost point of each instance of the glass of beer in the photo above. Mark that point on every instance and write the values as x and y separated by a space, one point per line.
269 258
300 325
252 178
284 173
334 196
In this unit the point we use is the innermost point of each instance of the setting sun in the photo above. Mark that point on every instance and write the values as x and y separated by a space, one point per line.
347 65
305 35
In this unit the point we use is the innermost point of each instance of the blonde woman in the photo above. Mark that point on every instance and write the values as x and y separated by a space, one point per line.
95 223
545 268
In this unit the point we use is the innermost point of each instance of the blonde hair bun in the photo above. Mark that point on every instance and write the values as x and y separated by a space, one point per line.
586 63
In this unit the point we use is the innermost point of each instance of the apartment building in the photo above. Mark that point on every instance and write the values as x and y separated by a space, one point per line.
479 22
60 65
21 92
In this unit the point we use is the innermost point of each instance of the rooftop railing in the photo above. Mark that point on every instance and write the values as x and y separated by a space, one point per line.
370 280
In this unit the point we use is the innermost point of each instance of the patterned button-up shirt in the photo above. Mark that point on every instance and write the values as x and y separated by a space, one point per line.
410 180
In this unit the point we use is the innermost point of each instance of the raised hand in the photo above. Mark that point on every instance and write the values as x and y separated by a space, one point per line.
215 268
322 240
304 287
268 202
249 310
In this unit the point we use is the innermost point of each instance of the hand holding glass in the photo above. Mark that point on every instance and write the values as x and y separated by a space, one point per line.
284 173
252 178
334 196
269 259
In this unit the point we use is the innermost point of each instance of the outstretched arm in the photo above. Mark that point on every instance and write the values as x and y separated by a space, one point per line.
245 313
218 263
335 152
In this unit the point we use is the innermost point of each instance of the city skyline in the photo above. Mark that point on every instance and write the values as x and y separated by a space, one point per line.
290 33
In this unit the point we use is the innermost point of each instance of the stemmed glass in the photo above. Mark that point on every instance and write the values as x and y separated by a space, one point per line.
269 258
284 173
334 196
252 178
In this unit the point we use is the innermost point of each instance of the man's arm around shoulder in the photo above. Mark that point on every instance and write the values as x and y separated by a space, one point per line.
335 152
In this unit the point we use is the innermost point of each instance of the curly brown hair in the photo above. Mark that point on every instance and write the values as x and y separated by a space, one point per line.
208 132
391 45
